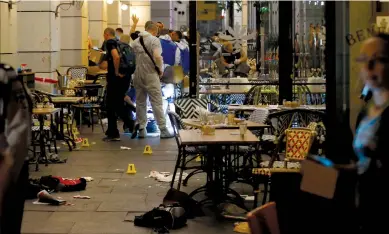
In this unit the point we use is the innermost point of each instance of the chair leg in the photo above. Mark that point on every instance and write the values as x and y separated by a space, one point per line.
91 118
176 168
100 119
80 118
266 191
181 171
72 123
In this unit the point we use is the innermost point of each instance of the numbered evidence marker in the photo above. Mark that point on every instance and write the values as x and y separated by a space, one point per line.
131 169
85 142
75 131
198 158
147 150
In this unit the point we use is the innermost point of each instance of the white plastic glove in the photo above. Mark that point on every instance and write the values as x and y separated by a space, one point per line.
237 61
230 65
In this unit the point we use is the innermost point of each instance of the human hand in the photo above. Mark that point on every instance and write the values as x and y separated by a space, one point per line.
230 65
135 19
237 61
119 75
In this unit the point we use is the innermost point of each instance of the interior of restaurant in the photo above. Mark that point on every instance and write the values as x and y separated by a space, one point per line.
268 85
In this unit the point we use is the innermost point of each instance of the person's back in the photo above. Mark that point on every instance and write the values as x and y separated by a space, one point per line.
151 43
169 49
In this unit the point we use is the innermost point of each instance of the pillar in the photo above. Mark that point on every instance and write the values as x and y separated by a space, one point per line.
74 36
126 20
114 15
97 11
8 33
142 9
244 15
179 17
359 18
38 37
160 12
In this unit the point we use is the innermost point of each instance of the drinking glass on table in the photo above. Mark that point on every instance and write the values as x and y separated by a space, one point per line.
242 129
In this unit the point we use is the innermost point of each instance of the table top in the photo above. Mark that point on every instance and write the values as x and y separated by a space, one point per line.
222 91
250 124
45 111
59 100
91 82
98 72
89 86
275 107
222 136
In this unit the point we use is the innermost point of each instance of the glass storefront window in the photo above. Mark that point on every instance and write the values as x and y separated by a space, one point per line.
238 45
309 37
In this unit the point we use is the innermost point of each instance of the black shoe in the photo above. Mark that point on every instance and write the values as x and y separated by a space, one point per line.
108 138
135 132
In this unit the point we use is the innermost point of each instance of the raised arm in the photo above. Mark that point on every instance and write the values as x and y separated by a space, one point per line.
135 21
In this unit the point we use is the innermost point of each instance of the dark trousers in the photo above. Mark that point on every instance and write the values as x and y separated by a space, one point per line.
116 108
13 204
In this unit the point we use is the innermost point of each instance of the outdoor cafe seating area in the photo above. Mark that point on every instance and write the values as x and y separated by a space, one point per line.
246 144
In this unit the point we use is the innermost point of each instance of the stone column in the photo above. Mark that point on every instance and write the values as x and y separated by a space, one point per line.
114 15
142 9
74 36
160 12
180 16
8 33
38 37
97 11
126 20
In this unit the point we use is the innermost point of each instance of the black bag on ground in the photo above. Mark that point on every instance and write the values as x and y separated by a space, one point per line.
192 207
170 217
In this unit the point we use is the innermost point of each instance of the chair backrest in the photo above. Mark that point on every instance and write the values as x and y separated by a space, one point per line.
259 115
77 72
253 96
187 107
298 142
264 219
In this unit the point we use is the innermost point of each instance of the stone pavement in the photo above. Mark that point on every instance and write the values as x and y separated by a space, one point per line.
115 196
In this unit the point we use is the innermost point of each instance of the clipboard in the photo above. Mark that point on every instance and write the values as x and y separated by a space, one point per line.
318 179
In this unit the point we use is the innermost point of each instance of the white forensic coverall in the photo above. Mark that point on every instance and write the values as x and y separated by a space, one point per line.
147 81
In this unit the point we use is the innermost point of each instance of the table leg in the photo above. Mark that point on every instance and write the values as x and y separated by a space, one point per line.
61 116
41 142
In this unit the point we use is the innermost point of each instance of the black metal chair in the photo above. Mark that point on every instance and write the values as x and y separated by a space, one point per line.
185 154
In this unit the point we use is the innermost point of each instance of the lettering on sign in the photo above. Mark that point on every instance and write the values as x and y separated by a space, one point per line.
363 34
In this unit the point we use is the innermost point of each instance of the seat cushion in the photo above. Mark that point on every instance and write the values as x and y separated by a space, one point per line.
281 164
195 150
36 128
268 137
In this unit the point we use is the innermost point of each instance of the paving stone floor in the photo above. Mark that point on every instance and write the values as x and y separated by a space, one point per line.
115 196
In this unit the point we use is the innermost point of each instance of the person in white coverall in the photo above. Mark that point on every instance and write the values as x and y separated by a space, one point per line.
147 82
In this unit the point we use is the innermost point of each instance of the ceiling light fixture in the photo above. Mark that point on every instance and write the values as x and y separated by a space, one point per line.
109 1
124 7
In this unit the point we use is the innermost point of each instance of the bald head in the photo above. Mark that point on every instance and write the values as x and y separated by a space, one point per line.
152 29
